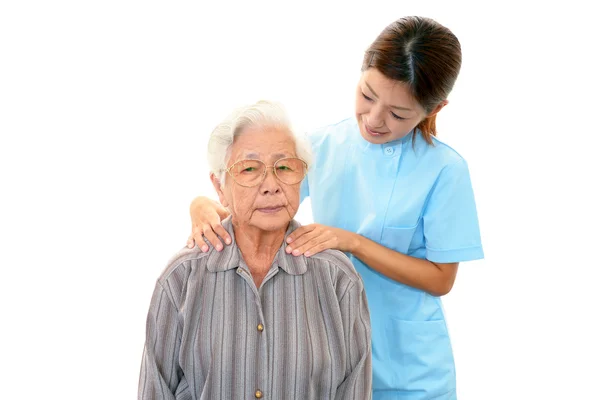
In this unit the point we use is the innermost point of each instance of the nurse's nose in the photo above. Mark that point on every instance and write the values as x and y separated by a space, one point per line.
376 118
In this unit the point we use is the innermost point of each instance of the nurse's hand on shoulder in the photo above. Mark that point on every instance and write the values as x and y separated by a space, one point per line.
314 238
206 223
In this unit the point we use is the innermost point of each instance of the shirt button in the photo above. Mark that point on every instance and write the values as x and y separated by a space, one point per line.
389 151
258 394
260 327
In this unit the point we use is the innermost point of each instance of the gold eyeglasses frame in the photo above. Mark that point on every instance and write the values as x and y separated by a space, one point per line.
262 179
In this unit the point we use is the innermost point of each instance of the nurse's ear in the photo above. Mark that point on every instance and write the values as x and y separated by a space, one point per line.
219 188
438 108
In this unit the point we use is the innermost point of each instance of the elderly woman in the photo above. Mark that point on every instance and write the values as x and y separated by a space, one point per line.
252 321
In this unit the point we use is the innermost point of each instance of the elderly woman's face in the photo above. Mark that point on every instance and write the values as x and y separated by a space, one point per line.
271 204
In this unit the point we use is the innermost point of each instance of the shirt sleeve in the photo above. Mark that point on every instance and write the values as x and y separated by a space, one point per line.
357 383
160 375
450 222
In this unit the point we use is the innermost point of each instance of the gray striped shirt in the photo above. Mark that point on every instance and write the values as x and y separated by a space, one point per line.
211 334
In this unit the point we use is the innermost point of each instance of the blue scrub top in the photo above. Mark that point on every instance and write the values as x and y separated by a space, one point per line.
416 199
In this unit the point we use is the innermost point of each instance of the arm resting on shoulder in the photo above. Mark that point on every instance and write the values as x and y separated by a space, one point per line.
435 278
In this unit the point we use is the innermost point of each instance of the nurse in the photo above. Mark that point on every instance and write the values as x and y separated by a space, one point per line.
397 200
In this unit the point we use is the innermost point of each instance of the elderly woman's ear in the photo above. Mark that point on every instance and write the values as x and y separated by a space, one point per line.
219 189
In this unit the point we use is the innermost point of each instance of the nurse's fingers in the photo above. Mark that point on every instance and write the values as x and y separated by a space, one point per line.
212 237
300 232
314 247
196 237
312 240
219 230
301 240
191 242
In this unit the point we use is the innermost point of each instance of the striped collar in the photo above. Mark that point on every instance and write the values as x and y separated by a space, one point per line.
230 257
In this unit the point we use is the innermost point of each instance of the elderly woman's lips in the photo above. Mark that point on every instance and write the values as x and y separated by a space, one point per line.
270 209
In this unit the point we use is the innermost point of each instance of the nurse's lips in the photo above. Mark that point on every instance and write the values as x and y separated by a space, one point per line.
372 132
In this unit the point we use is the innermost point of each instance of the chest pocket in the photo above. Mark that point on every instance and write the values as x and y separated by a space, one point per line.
398 238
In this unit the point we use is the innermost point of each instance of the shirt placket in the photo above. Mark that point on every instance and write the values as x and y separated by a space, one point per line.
260 327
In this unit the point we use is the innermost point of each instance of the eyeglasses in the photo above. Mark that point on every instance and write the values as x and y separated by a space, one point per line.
249 173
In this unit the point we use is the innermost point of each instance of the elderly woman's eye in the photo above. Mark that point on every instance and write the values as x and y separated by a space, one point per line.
249 169
283 168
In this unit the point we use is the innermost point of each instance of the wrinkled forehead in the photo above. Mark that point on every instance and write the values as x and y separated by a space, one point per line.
267 144
273 156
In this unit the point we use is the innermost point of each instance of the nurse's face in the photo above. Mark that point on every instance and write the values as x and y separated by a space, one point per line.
385 109
270 204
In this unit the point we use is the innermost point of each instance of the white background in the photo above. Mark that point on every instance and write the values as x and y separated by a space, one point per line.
105 109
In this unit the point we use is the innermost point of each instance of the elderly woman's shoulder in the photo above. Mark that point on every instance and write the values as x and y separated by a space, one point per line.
183 259
337 260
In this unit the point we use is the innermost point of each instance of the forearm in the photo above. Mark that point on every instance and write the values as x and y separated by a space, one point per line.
436 279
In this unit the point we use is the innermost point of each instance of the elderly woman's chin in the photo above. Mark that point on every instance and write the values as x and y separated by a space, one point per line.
272 219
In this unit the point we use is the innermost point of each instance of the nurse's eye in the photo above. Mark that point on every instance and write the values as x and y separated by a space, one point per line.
397 117
367 97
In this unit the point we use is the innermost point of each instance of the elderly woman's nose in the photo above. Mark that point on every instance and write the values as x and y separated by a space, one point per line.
271 184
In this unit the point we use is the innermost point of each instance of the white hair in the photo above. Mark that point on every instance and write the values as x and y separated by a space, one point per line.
263 114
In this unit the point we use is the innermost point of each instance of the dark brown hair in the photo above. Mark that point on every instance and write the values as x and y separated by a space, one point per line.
423 54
